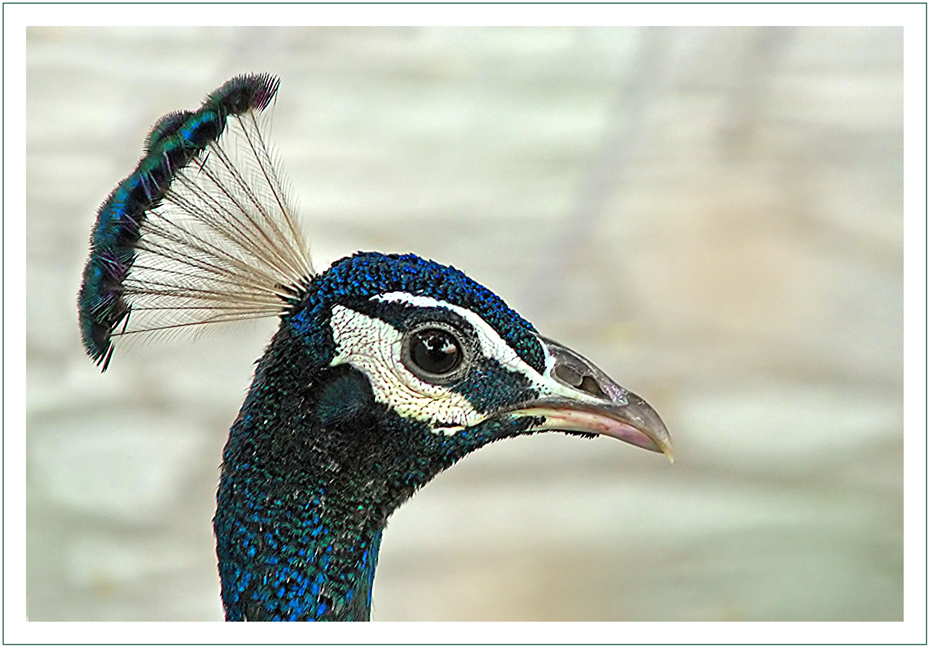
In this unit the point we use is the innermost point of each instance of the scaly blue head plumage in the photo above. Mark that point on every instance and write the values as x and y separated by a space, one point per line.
386 369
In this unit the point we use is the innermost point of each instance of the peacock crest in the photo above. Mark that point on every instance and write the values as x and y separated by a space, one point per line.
203 231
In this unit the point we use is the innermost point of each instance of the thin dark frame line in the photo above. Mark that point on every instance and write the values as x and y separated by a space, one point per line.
169 2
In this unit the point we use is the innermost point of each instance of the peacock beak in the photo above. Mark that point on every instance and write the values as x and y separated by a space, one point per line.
579 397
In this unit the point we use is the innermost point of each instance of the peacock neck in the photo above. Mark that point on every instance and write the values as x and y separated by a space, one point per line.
297 531
293 555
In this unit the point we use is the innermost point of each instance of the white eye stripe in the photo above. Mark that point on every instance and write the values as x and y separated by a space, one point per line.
492 345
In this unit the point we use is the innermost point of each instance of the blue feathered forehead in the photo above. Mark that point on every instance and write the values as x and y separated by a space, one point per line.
366 274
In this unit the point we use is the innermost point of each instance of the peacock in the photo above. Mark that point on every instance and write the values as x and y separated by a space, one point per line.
385 370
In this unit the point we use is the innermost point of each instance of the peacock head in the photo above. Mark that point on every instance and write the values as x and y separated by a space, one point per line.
428 365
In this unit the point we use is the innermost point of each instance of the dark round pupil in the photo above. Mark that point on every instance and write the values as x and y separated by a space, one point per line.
435 351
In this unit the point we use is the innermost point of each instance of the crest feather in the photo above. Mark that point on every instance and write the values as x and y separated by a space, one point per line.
201 232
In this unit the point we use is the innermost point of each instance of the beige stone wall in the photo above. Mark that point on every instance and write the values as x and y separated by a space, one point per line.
713 215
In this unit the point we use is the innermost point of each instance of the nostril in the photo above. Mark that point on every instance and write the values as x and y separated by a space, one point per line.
580 381
588 384
568 375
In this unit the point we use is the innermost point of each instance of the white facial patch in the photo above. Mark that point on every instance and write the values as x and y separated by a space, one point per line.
374 347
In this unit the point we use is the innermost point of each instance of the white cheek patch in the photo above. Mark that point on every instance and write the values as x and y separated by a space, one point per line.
374 347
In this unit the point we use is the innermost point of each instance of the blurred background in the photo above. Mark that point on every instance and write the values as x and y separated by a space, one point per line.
713 215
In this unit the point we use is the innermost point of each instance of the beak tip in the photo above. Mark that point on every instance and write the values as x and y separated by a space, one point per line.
663 445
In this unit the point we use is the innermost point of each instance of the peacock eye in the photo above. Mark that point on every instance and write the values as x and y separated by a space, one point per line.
435 351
